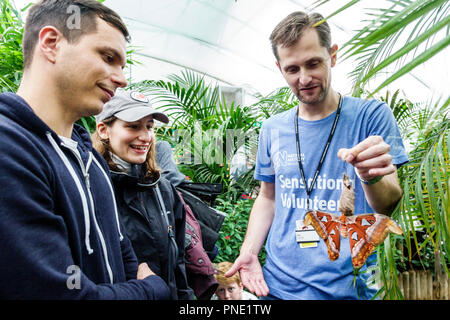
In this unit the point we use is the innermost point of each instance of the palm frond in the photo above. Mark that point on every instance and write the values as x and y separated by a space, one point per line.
425 182
277 101
322 2
383 42
423 57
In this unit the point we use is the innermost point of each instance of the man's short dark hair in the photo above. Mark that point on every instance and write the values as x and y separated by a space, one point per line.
57 13
291 28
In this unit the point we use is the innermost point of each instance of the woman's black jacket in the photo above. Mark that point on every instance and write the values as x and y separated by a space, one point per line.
139 207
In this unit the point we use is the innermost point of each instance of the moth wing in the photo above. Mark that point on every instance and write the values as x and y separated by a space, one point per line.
365 232
327 226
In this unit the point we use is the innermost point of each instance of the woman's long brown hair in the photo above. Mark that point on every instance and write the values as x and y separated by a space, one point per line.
102 146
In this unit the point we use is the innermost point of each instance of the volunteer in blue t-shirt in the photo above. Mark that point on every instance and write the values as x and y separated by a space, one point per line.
331 135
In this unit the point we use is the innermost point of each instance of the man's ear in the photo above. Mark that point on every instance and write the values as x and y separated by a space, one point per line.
49 42
102 130
333 54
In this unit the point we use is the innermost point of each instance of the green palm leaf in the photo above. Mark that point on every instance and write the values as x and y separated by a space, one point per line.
410 46
425 56
427 22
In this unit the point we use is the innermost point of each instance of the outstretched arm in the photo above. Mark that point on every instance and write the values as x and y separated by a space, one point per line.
247 263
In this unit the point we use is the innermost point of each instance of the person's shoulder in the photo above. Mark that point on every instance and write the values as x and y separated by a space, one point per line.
17 116
278 120
163 146
166 186
360 104
358 108
21 132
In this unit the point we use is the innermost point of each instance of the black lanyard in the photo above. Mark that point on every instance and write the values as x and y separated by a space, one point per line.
324 153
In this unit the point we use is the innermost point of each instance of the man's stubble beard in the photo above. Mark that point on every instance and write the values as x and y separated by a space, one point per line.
320 98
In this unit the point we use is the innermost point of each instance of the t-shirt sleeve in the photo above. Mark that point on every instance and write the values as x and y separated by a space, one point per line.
264 170
382 123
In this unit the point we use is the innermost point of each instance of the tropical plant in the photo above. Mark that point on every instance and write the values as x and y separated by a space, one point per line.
424 210
426 181
403 36
234 227
11 30
200 116
277 101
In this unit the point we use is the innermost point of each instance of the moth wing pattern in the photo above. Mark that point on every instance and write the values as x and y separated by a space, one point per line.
327 226
365 232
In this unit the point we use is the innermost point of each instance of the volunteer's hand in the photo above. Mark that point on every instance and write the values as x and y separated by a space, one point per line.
251 273
144 271
370 157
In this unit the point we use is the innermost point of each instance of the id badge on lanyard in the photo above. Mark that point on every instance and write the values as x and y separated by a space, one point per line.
306 236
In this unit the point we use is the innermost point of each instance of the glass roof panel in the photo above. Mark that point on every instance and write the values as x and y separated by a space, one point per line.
228 40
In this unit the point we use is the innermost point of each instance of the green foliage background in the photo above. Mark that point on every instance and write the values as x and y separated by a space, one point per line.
11 30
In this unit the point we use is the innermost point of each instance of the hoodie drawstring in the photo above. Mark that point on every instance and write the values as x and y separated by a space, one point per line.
69 167
84 199
112 194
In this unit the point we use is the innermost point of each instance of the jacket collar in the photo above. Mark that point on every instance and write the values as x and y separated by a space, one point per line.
134 178
131 184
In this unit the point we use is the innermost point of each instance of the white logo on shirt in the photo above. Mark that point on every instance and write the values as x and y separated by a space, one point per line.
286 159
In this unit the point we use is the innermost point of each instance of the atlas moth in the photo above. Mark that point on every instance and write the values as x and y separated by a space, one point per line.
365 231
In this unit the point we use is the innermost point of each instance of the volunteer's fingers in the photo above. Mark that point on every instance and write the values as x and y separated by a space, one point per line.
380 161
234 268
373 152
264 288
342 153
375 172
246 281
259 286
351 154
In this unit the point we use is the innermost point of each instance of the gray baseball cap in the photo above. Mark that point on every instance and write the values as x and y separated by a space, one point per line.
130 106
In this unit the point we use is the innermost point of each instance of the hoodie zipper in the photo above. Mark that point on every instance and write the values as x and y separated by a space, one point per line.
84 170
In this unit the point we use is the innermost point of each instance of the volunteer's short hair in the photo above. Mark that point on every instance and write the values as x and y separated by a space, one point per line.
221 269
59 14
291 28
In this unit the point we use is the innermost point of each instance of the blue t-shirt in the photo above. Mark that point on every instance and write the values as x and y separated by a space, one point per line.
292 272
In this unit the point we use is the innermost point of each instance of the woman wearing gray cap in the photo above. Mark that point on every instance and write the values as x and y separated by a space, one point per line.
148 204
